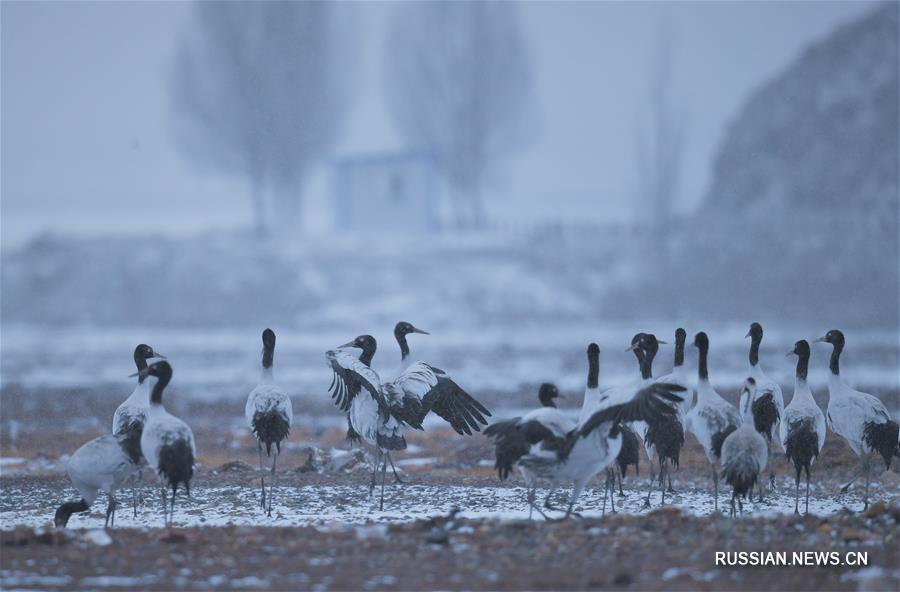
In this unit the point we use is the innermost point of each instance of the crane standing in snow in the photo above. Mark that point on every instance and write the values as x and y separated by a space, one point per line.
269 415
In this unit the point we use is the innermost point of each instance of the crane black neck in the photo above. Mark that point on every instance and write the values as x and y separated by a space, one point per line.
546 400
368 352
65 511
756 340
834 366
646 361
157 393
702 370
163 376
679 351
268 356
802 365
593 369
404 347
141 363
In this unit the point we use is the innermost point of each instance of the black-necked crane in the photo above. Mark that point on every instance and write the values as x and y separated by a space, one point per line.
859 418
712 418
745 452
167 442
269 415
680 374
102 464
538 431
130 416
593 444
382 413
669 440
666 437
803 426
767 411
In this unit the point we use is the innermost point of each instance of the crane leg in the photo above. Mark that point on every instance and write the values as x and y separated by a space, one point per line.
397 478
375 471
606 489
110 511
858 474
612 489
547 503
650 487
807 490
868 470
716 487
663 472
383 473
262 478
532 495
772 486
576 491
165 507
272 483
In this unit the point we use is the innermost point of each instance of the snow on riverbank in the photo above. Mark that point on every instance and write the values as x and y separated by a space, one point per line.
501 359
342 505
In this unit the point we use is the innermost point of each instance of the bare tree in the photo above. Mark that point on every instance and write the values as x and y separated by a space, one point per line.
459 86
256 92
660 148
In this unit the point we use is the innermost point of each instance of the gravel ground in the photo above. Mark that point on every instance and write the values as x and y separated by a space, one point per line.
665 549
328 534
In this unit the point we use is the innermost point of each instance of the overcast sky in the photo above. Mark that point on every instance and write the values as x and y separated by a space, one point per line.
87 142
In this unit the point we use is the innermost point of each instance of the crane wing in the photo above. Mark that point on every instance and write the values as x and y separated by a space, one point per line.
350 377
422 388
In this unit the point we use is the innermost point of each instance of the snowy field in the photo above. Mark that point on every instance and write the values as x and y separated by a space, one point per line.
61 386
351 505
220 364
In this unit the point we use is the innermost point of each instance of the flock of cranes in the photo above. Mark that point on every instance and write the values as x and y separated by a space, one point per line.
547 446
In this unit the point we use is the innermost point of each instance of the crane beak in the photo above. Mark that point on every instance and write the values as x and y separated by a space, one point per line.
789 354
348 344
159 355
661 342
820 339
144 372
631 348
747 335
416 330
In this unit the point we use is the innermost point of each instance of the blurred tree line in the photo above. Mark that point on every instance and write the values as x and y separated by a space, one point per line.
261 90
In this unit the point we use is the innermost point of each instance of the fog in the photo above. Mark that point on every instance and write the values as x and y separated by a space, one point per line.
517 178
89 145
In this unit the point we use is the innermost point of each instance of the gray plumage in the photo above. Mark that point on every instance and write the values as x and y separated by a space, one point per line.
744 453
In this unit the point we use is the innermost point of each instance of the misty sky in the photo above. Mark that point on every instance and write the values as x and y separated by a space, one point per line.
87 142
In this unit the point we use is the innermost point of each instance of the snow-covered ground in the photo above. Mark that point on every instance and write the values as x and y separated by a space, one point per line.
499 359
349 505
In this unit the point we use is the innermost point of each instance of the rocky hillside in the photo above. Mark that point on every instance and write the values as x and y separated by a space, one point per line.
801 218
